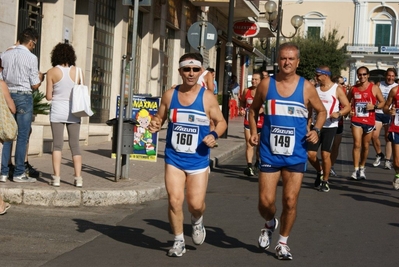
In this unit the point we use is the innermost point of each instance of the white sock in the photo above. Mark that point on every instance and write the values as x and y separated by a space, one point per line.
196 221
179 237
283 239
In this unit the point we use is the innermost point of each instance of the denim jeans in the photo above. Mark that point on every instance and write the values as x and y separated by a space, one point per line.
23 116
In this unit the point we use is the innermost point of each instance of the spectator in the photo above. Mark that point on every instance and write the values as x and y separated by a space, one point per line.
22 76
60 82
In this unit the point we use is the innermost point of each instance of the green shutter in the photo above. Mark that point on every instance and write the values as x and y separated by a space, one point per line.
382 34
314 32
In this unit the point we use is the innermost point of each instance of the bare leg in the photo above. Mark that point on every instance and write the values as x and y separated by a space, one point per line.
292 185
175 181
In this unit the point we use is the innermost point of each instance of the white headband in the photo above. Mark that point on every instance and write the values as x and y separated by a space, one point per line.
189 62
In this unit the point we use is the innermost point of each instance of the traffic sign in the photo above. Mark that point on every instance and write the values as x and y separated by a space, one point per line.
194 35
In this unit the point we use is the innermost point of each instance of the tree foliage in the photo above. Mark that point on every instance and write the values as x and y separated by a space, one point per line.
315 52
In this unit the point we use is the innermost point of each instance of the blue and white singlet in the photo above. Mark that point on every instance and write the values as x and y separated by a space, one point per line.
187 127
283 136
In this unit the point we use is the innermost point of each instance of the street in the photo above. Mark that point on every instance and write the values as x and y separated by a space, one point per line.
355 224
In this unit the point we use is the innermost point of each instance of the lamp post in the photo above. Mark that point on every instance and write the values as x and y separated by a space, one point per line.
274 17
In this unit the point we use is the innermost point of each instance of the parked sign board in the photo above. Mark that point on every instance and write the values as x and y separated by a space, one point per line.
367 49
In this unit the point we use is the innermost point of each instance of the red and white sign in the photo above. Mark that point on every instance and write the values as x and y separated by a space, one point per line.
246 28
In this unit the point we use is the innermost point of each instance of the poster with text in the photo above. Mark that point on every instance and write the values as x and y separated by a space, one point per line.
145 144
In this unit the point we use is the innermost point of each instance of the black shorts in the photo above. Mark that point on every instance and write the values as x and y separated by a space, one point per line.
340 129
326 140
383 118
393 137
366 128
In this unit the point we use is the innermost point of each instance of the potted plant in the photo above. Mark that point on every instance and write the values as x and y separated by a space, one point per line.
39 107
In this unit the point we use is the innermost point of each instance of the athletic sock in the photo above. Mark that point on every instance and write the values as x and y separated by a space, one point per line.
179 237
283 239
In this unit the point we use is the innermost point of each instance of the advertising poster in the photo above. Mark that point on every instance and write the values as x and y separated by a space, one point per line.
145 145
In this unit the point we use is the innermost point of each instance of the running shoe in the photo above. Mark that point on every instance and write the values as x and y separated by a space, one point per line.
249 171
283 252
333 173
324 187
178 249
395 182
266 235
377 161
388 164
355 175
362 174
317 182
199 233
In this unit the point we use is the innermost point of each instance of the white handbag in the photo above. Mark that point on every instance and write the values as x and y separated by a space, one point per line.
81 104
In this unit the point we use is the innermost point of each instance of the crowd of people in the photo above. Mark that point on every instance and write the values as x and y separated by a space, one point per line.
20 77
287 119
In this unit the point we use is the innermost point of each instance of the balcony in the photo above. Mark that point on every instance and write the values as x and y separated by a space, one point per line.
242 8
357 50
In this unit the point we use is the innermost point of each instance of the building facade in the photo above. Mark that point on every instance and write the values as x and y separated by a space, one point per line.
101 31
370 29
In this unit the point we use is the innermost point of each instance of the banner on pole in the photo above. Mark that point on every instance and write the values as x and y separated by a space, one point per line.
145 145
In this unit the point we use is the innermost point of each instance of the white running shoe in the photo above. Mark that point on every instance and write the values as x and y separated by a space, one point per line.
333 173
283 252
199 233
355 175
395 182
388 165
266 236
178 249
377 161
362 174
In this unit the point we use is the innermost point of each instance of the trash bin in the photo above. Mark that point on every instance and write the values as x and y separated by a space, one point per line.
127 134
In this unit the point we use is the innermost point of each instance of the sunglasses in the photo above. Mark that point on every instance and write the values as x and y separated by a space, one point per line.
34 42
188 69
362 74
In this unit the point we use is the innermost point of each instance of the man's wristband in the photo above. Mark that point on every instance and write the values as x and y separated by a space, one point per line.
375 106
215 135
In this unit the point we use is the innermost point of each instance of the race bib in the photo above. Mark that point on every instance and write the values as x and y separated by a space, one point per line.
282 140
185 138
396 119
361 109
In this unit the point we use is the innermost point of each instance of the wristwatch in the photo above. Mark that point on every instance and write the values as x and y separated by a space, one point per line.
317 130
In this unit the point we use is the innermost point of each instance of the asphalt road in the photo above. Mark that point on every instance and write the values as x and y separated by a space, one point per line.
355 224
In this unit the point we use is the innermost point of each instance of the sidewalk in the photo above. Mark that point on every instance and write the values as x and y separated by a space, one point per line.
145 182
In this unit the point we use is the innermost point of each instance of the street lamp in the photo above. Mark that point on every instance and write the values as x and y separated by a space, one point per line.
274 16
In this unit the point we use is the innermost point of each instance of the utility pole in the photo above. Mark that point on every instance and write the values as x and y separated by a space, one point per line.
228 66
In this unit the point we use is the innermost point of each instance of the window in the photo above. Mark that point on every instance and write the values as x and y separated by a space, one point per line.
314 24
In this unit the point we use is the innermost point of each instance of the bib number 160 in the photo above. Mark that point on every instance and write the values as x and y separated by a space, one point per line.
184 139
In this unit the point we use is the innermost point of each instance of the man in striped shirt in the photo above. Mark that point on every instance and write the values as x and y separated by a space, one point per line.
22 77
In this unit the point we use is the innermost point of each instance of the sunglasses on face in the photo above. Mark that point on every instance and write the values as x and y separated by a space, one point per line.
188 69
362 74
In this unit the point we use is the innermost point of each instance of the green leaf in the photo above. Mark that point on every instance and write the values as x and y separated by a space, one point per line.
40 107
